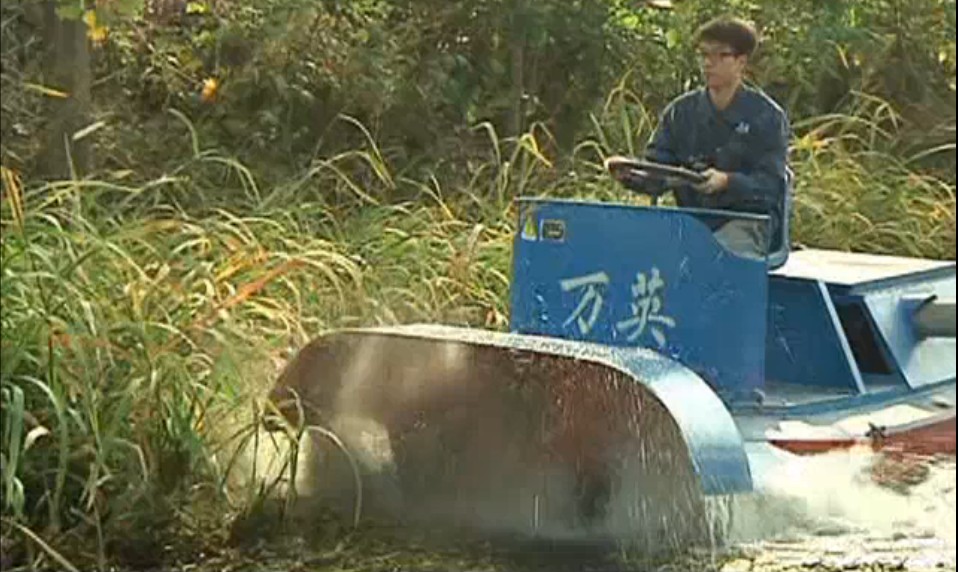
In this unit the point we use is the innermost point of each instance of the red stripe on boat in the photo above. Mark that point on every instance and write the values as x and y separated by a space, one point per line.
935 437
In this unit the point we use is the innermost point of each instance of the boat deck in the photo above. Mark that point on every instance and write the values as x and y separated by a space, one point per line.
853 269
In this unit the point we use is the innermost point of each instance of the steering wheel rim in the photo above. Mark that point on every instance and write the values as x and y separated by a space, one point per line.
655 171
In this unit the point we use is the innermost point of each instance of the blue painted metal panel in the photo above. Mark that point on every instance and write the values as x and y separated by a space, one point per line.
924 396
920 361
877 369
639 277
714 444
806 343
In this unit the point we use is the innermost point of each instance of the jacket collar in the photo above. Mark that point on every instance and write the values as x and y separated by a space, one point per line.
735 115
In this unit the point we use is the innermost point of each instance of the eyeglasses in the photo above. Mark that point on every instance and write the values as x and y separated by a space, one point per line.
713 56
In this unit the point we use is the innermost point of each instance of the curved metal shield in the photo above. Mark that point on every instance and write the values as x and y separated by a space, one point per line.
519 434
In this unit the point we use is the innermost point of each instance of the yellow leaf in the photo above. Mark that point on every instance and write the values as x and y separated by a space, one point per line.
210 88
88 130
33 436
47 91
13 191
96 33
196 8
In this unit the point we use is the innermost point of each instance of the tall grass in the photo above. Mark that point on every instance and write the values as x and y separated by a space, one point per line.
856 192
125 343
130 340
141 324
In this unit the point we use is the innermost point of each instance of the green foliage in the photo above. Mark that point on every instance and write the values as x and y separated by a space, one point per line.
267 81
107 12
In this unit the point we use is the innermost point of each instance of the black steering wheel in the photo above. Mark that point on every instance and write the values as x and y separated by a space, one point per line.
649 178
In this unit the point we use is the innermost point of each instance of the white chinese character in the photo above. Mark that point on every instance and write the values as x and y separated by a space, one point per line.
592 296
647 308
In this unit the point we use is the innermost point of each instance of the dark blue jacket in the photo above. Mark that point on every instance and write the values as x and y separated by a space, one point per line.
749 140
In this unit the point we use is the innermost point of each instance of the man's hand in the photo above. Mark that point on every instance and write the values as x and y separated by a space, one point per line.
715 182
618 167
622 171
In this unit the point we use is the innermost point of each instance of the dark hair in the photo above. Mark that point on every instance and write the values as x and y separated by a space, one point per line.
733 32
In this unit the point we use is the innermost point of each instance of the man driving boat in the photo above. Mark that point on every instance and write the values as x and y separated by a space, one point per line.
735 135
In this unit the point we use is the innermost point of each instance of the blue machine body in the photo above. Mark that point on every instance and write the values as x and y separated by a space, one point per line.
843 328
643 277
827 333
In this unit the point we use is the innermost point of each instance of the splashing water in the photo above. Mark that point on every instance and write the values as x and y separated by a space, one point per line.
828 511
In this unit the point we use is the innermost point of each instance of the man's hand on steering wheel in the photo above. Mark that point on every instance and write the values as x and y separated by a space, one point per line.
621 169
715 182
651 178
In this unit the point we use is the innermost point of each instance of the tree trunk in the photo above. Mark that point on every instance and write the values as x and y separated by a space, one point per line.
517 58
66 69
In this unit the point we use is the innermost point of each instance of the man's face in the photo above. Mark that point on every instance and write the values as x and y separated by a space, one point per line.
720 65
